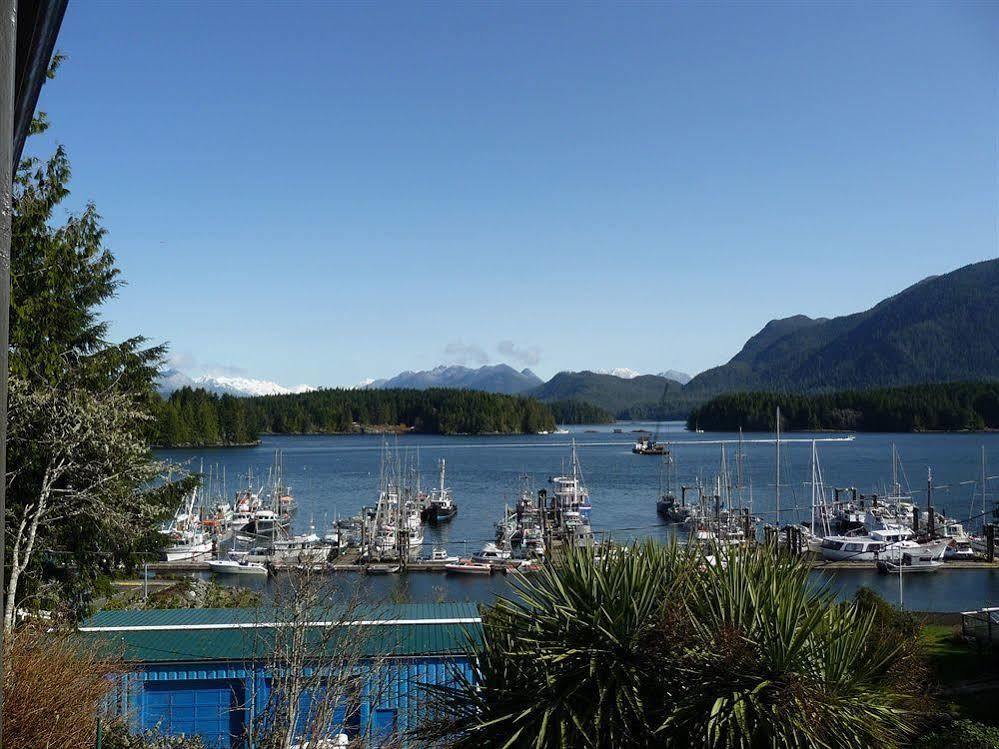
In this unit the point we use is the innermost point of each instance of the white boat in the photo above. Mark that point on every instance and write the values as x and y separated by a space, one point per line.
491 554
440 556
188 546
236 567
910 563
186 538
878 545
959 543
304 549
467 567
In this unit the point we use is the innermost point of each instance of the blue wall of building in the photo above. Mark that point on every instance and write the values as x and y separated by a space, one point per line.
218 701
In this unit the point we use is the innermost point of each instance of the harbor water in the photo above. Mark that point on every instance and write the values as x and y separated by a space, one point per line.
335 475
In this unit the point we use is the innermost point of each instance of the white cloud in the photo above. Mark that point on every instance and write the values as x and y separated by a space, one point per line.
526 355
462 353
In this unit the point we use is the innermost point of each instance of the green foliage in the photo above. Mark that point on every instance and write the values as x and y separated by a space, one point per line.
118 736
196 417
962 734
652 647
64 367
643 397
942 407
579 412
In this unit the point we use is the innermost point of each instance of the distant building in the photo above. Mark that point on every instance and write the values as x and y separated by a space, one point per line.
209 672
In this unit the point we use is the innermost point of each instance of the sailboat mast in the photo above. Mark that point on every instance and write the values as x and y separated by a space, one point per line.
984 500
894 471
777 471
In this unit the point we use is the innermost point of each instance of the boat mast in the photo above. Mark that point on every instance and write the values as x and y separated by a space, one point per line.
777 472
894 471
984 501
813 486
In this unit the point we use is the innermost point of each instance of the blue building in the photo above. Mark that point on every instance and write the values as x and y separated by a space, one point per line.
214 672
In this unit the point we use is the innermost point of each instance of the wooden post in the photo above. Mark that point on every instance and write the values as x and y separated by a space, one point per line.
990 542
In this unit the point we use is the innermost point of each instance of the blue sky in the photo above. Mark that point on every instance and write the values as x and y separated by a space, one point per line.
320 193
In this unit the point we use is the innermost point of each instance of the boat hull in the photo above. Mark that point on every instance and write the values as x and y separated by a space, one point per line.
235 568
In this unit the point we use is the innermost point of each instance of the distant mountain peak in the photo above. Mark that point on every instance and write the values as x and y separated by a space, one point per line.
172 379
492 378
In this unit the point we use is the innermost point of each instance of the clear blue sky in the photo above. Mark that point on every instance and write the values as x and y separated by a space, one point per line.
325 192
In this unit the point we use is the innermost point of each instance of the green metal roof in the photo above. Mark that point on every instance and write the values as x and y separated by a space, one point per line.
248 634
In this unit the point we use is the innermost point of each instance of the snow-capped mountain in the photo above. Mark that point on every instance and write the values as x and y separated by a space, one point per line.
629 374
498 378
673 374
244 386
623 372
172 379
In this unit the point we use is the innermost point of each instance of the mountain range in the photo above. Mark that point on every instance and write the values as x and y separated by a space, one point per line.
173 379
942 329
497 378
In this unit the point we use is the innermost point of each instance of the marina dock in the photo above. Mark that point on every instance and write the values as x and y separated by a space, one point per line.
349 563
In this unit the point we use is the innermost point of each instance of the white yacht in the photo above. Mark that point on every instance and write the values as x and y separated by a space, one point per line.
491 554
881 543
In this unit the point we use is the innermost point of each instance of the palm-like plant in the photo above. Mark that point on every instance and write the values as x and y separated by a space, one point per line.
652 647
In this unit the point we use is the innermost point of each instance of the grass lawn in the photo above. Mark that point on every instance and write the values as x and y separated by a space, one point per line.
958 667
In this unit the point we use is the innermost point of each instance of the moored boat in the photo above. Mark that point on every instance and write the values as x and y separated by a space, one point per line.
469 567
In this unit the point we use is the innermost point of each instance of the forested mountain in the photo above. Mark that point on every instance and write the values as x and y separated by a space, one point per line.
497 378
645 396
197 417
943 407
944 328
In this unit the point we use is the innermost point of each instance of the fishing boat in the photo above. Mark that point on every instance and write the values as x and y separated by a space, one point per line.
440 506
469 567
187 540
649 446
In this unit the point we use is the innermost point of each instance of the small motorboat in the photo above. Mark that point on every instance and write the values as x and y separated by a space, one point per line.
491 554
233 566
468 567
910 563
440 556
381 569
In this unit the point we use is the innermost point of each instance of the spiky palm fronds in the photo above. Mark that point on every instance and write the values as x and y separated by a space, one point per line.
775 661
651 647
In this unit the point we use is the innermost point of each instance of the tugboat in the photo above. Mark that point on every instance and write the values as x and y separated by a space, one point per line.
441 506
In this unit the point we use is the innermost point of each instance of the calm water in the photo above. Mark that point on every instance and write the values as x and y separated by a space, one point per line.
338 474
